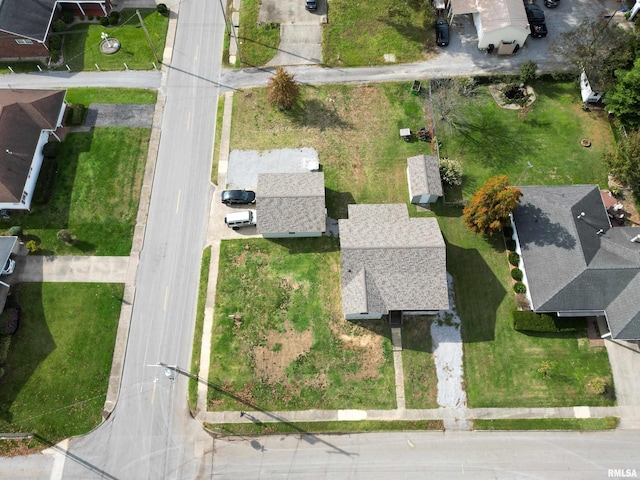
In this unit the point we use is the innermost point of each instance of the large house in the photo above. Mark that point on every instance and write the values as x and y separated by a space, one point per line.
391 263
25 25
291 205
27 119
574 262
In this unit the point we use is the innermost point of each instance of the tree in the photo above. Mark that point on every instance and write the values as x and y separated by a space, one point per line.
451 172
528 72
450 95
624 99
624 163
598 48
282 89
489 209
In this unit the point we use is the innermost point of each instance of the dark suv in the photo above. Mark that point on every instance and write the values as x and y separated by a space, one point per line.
442 33
238 197
534 14
311 5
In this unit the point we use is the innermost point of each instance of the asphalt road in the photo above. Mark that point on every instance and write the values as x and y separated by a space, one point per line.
150 434
430 455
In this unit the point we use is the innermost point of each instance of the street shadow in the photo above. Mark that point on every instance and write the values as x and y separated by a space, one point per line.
30 346
478 293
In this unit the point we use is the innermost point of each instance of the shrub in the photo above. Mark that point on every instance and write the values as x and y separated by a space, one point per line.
104 21
65 237
50 149
75 115
514 259
516 274
9 320
5 343
54 55
519 287
113 20
598 385
55 42
32 246
1 372
67 17
90 17
15 231
59 26
525 321
528 72
511 244
507 232
451 172
162 9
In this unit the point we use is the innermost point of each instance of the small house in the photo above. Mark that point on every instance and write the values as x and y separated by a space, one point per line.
423 176
587 92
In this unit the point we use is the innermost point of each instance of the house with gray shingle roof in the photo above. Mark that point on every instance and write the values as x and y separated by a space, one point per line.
27 118
423 175
25 35
574 262
391 262
291 204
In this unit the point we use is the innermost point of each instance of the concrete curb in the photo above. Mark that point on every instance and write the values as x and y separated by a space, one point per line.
122 336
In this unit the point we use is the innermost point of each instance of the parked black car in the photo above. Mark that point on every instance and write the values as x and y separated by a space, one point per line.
238 197
534 14
538 30
442 33
551 3
311 5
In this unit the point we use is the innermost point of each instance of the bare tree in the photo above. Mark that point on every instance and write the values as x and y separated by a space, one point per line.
448 96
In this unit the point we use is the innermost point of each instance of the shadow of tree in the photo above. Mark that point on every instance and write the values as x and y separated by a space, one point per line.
534 227
314 113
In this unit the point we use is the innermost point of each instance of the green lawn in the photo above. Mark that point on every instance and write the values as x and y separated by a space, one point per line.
420 378
92 189
87 96
197 334
279 340
354 128
82 43
492 140
361 33
58 368
258 43
500 364
607 423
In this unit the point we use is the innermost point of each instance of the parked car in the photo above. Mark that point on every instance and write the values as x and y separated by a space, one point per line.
551 3
442 33
534 14
311 5
236 220
238 197
538 30
9 267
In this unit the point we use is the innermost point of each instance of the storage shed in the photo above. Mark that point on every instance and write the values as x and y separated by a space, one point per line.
423 176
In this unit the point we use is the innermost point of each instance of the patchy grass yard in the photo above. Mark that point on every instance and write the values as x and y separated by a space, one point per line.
361 33
606 423
197 334
82 43
491 140
92 189
279 340
58 368
501 365
354 128
420 378
258 43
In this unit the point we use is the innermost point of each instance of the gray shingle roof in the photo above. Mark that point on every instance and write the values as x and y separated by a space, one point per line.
291 202
34 25
574 260
390 261
424 175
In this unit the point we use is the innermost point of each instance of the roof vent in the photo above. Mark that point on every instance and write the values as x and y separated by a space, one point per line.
636 239
600 232
582 214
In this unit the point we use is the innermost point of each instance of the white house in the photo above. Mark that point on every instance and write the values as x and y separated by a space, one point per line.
27 119
500 24
291 205
423 176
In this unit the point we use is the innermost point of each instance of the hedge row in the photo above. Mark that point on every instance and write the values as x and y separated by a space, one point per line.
533 322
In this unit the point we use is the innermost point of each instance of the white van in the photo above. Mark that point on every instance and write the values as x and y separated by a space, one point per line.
236 220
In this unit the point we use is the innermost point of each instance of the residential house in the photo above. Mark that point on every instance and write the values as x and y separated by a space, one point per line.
291 204
25 25
574 262
27 119
423 175
500 24
391 263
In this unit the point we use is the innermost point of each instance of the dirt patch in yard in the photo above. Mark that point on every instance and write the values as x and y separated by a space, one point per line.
369 346
272 360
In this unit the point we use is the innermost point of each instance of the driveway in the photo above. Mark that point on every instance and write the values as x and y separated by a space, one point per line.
117 115
300 31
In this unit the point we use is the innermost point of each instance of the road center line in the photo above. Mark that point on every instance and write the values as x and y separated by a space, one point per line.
166 297
178 202
188 120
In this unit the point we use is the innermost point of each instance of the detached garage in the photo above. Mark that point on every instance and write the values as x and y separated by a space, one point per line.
500 24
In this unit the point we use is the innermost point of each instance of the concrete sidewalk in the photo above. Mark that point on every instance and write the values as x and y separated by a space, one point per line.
33 268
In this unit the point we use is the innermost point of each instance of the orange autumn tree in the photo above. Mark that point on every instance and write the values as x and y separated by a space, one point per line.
488 211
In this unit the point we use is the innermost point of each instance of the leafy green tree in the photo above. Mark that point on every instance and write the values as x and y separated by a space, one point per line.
282 89
624 163
451 171
488 211
528 72
624 99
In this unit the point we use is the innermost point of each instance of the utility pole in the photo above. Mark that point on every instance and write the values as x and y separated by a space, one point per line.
144 27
